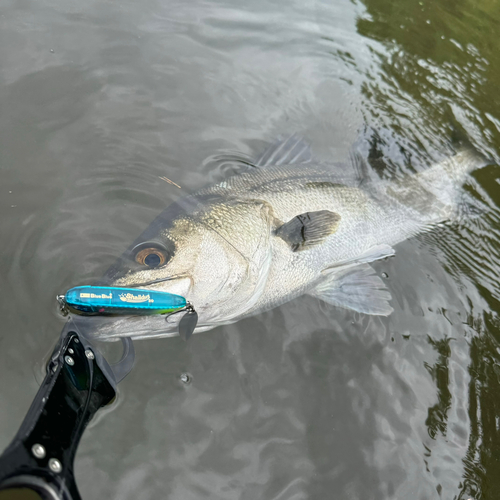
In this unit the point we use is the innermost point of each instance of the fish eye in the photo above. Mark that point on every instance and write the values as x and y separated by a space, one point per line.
152 260
151 257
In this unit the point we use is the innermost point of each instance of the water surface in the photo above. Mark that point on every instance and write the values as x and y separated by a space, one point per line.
99 100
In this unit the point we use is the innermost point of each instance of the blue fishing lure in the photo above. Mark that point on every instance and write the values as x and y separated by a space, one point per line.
112 300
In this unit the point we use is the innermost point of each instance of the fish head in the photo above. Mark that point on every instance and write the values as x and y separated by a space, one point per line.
213 252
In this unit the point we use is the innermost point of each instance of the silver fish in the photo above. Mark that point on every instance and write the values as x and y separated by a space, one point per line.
288 227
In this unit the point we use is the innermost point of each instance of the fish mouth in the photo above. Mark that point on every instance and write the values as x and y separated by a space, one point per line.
109 328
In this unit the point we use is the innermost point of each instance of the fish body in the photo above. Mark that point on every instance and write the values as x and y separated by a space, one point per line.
286 228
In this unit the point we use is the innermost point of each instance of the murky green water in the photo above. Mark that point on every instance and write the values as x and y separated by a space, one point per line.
99 99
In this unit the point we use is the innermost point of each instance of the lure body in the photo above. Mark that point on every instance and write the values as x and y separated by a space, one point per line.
114 300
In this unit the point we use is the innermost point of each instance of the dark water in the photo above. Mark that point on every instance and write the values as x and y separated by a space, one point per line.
100 99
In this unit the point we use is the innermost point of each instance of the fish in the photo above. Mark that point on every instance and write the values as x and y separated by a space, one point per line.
288 226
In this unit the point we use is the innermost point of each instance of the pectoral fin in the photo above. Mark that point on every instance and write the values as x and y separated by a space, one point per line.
308 229
356 288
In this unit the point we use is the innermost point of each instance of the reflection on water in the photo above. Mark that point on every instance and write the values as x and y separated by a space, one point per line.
439 67
481 461
100 100
438 414
438 63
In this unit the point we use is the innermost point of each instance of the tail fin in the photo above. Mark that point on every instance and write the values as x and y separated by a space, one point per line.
453 169
433 195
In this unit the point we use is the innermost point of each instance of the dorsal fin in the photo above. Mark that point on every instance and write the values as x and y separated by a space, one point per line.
364 153
291 150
